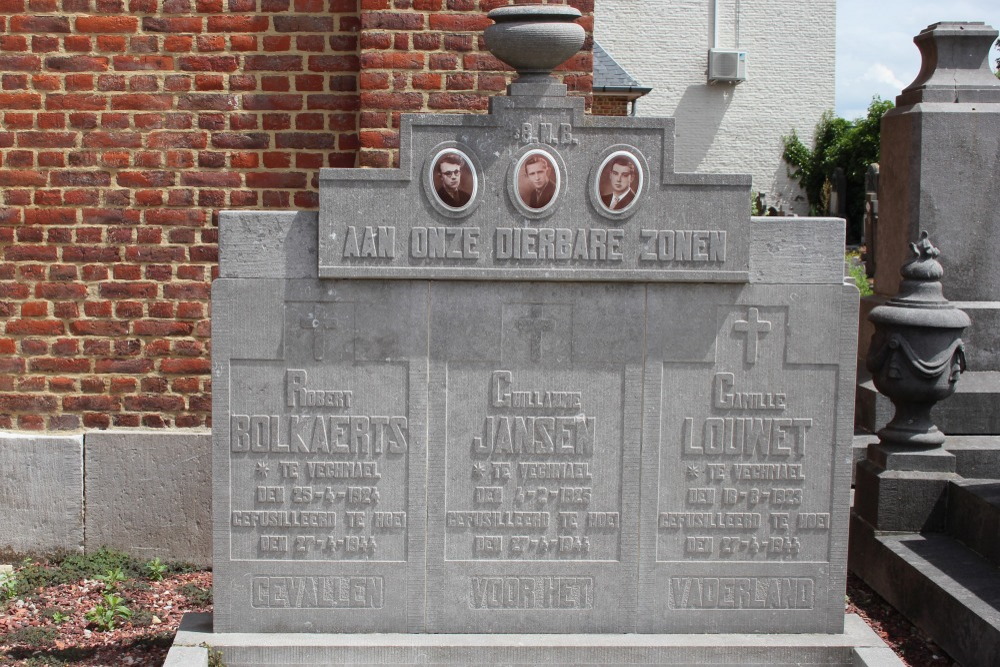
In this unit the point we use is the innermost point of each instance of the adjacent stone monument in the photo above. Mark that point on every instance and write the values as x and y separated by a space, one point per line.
927 500
532 397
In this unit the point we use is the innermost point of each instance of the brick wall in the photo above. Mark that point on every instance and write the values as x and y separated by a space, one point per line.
428 55
128 124
611 105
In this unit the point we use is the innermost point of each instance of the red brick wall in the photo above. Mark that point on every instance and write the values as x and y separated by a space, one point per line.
611 105
428 55
128 124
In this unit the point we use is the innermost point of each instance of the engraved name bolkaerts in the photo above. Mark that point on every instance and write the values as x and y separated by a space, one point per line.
320 464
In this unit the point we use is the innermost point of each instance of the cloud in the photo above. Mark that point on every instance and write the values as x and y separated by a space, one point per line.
881 74
875 50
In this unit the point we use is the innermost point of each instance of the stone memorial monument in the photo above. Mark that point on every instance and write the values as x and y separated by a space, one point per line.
532 397
927 499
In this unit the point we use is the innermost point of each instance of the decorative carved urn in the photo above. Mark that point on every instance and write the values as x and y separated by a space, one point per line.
916 354
534 39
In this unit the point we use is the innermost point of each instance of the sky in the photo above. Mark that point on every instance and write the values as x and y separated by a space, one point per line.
875 50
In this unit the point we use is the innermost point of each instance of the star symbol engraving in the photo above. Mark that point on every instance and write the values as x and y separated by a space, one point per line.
262 469
693 472
479 470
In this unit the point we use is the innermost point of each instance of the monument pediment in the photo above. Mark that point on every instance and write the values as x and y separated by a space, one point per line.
567 224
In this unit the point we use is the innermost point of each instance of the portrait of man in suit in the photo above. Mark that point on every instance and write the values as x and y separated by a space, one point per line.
618 182
453 179
538 185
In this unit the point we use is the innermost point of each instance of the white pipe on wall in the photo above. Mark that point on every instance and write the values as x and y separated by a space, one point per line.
715 24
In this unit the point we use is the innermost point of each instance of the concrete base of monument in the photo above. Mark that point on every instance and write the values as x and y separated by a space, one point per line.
936 580
857 645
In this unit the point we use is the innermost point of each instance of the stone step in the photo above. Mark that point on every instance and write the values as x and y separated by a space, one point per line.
974 516
856 646
977 457
942 586
974 409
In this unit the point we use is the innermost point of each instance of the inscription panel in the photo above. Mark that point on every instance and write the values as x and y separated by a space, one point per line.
534 526
322 458
319 453
535 471
740 467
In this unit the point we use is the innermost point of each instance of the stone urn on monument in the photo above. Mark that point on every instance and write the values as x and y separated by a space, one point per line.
534 39
917 354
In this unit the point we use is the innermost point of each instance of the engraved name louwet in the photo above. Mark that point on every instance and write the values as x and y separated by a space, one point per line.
739 486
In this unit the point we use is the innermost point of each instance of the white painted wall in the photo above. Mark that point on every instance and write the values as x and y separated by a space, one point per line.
725 128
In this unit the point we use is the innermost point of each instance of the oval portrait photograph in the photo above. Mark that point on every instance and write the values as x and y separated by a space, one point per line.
453 179
537 180
619 181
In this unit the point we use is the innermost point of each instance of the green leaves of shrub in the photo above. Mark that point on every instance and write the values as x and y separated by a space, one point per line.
105 615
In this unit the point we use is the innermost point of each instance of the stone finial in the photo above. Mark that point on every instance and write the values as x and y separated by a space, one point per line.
955 65
534 39
917 354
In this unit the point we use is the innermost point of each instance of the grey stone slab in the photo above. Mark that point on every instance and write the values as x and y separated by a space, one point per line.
901 500
319 455
148 493
923 188
942 587
796 250
976 457
392 223
41 492
603 345
186 656
534 457
876 657
746 460
860 450
974 516
244 649
267 244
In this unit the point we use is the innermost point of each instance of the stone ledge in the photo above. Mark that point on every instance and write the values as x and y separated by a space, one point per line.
41 496
945 589
857 645
148 493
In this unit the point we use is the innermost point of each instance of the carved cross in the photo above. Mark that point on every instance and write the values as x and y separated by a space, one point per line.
535 325
318 325
753 327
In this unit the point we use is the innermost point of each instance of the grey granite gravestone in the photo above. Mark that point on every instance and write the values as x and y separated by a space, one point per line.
531 383
940 153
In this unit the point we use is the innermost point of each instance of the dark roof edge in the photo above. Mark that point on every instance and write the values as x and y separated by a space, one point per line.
638 91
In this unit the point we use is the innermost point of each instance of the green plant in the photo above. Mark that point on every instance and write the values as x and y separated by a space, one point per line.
196 595
8 586
56 614
155 569
30 635
105 615
214 656
837 143
856 270
112 578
